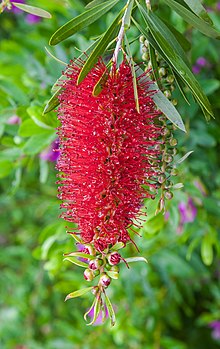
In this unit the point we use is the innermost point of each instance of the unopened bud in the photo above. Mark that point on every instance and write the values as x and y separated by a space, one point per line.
170 79
141 39
168 195
88 275
174 101
173 142
167 93
165 132
95 264
174 172
89 250
145 56
161 179
114 258
168 158
162 71
105 280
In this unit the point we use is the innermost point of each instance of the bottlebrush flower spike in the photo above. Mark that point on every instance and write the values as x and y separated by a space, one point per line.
109 156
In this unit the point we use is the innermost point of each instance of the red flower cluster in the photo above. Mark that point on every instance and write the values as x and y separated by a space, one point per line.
106 152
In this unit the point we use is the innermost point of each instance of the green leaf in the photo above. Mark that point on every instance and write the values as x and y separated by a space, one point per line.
178 64
157 25
28 128
90 309
166 107
110 309
54 57
94 3
33 10
198 9
178 186
127 19
100 84
37 142
186 45
53 102
36 115
78 293
97 308
44 171
183 158
76 261
136 259
100 48
180 86
207 249
113 274
80 22
154 65
193 20
134 79
80 254
5 168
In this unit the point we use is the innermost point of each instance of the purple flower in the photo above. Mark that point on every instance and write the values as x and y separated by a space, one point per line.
218 6
187 211
215 326
51 153
13 120
32 19
201 61
98 321
196 69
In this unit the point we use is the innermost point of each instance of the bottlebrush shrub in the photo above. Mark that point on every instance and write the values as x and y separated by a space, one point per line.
110 156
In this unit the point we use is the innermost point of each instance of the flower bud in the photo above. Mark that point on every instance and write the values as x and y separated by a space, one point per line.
145 56
162 71
168 195
95 264
141 39
168 158
115 268
114 258
173 142
161 179
88 275
174 101
167 93
170 79
165 132
105 280
174 172
89 250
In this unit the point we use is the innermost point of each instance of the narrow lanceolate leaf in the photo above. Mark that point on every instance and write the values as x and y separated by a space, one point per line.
94 3
207 250
186 45
110 309
156 23
193 20
78 293
180 85
33 10
97 308
100 84
127 19
80 255
154 65
80 22
178 64
54 57
100 48
198 9
76 261
136 259
53 102
166 107
90 309
134 80
184 157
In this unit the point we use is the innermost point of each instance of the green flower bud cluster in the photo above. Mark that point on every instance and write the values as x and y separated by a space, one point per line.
165 74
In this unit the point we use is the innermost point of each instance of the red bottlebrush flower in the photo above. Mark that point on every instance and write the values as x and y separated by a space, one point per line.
106 152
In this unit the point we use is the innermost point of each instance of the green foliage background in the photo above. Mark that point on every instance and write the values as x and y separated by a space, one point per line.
167 304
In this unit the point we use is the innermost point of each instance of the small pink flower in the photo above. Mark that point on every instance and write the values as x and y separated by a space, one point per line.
215 325
13 120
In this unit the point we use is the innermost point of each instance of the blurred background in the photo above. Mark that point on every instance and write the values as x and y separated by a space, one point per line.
171 303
